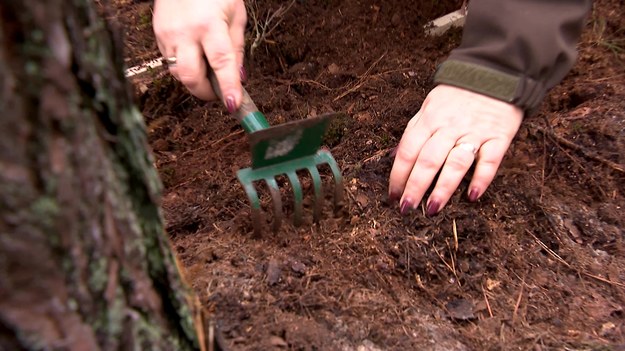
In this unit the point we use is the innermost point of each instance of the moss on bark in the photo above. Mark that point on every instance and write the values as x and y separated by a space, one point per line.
84 261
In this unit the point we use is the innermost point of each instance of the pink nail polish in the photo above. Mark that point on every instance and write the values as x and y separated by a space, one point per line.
394 196
230 104
432 208
243 74
474 194
406 206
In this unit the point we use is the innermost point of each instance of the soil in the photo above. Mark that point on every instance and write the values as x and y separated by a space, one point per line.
536 264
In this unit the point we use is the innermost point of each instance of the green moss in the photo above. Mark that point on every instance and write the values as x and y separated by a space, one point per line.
110 317
72 304
336 130
46 210
98 274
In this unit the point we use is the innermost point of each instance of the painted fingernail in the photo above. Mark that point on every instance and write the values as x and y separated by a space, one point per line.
474 195
394 196
243 73
230 105
393 152
432 209
406 206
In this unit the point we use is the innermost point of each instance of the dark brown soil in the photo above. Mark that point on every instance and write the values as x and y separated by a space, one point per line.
538 261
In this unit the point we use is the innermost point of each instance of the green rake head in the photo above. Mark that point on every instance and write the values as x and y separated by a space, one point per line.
283 150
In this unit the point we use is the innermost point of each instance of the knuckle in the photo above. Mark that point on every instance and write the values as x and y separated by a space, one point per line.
189 80
456 163
220 58
403 155
427 162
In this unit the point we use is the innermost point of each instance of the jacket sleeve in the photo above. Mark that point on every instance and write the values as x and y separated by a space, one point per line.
516 50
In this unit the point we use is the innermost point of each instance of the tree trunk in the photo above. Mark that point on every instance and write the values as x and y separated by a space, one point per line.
84 261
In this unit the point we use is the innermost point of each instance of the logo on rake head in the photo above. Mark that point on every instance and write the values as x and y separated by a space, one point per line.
278 148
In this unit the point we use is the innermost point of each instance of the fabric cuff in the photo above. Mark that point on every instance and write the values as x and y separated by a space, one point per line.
523 92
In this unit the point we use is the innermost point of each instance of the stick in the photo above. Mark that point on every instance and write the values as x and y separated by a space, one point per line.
490 312
361 81
144 67
561 260
213 143
518 300
455 229
571 145
378 155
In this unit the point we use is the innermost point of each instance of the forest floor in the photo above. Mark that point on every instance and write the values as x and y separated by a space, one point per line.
536 264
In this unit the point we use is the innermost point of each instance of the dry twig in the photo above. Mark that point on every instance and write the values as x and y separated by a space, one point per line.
571 145
561 260
263 28
518 300
490 311
363 79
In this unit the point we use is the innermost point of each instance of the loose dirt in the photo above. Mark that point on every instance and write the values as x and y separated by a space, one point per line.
536 264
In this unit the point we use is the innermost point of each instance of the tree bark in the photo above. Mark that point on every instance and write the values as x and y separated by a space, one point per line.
84 261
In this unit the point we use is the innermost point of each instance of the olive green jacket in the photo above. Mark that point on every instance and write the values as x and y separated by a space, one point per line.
516 50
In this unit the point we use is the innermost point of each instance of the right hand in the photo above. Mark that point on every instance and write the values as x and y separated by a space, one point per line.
190 30
433 141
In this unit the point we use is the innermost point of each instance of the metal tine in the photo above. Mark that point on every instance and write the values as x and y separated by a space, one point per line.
298 197
252 195
326 157
316 178
277 202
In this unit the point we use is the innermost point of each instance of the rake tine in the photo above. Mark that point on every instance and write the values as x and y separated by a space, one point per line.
277 202
298 197
316 178
252 195
338 179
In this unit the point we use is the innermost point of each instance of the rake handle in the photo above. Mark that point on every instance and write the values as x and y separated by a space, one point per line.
248 115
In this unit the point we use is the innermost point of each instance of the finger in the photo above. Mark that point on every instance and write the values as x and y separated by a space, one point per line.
488 160
406 155
222 58
190 69
456 166
161 49
167 53
237 36
430 160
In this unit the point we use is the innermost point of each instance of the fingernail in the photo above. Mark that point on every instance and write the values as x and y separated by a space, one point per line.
393 152
432 208
474 195
394 196
406 206
230 105
243 73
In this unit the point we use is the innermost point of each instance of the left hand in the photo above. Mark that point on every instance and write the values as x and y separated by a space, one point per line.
453 129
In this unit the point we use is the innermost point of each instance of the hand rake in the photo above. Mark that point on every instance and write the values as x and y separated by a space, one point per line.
280 150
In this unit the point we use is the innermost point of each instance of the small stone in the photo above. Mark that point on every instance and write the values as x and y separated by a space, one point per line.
362 199
354 220
333 68
298 267
364 117
396 19
277 341
607 329
460 309
274 272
